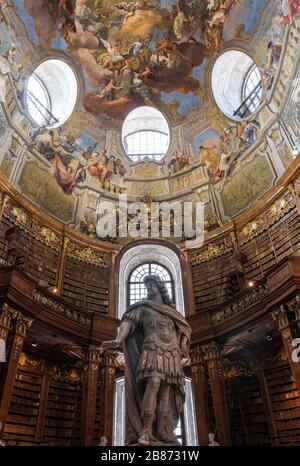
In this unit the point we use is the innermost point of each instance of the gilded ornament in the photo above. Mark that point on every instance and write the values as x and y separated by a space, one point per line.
213 251
89 256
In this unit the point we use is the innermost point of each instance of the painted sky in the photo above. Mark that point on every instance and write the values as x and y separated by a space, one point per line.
208 139
248 14
187 101
27 20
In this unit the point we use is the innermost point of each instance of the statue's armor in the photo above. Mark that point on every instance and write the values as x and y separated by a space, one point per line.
161 353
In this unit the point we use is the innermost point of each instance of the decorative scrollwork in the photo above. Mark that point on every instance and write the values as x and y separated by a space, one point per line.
62 309
213 251
87 255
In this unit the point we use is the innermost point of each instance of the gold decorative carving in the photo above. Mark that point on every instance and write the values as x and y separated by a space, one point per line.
93 353
240 305
19 215
22 324
66 374
49 236
212 351
30 362
62 309
238 369
87 255
213 251
6 315
268 218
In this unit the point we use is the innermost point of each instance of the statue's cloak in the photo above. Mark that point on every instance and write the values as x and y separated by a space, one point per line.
133 347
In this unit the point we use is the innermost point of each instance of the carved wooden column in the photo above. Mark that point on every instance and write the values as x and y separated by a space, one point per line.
200 382
294 188
6 315
4 202
89 393
297 313
213 355
39 429
188 280
20 323
113 286
283 318
61 265
107 390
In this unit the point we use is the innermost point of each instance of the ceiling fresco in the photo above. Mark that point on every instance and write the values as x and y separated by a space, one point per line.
139 52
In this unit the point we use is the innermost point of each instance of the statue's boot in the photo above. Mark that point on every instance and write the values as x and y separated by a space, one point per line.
162 431
146 435
144 439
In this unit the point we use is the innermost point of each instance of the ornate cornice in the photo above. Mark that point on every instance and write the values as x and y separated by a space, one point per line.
19 217
87 255
62 309
238 369
212 351
92 354
233 309
213 251
66 374
282 316
277 210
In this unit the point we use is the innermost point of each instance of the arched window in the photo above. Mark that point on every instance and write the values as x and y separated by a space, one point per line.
136 287
154 254
145 133
51 93
236 84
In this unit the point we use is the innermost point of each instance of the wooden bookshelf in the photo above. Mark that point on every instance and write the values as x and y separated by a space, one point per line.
210 281
272 245
63 413
24 407
86 285
285 403
253 412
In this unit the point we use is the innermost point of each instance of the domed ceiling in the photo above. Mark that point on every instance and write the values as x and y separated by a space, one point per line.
165 43
161 54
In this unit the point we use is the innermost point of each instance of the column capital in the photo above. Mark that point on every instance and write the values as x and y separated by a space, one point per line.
109 358
22 324
92 354
282 317
197 356
296 306
212 350
9 315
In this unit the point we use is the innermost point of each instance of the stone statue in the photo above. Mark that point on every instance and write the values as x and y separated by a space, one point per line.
155 339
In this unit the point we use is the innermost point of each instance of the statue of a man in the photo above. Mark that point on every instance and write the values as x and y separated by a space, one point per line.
155 339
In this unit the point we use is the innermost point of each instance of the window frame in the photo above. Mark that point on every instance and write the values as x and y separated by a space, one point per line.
149 263
252 107
140 156
28 97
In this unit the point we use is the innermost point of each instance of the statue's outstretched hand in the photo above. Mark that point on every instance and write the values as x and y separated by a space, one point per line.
186 361
112 344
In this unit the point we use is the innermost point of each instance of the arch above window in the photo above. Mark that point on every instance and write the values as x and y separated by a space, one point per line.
51 93
149 253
